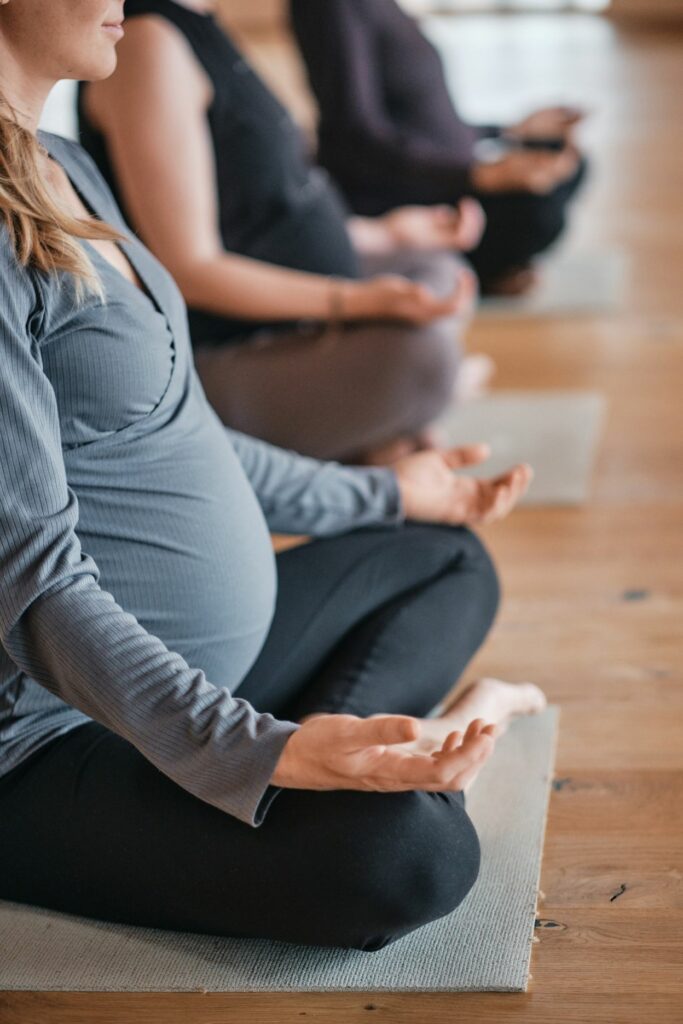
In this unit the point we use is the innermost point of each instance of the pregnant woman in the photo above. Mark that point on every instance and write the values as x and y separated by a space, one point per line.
390 134
166 685
337 336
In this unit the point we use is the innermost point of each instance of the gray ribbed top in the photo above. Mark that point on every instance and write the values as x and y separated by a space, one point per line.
137 579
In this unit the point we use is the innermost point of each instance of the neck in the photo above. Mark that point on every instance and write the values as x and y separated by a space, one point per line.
22 91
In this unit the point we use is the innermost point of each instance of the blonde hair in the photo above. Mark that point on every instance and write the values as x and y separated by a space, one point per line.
43 236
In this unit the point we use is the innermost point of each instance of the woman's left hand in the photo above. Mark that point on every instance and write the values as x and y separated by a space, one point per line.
436 227
551 122
432 492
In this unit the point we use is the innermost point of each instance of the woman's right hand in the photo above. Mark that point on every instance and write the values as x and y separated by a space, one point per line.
392 297
526 171
378 755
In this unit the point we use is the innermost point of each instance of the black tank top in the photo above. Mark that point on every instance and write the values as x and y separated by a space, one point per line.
273 205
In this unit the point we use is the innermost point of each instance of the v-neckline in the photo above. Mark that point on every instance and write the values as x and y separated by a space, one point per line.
126 245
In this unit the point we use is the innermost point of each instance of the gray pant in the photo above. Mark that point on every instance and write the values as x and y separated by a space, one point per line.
337 393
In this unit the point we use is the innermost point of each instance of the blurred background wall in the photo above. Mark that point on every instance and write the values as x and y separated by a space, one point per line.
268 13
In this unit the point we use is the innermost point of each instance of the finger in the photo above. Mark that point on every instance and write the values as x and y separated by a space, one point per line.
572 115
523 469
451 743
518 487
464 764
473 729
493 503
505 493
447 215
383 730
500 505
398 770
520 484
473 222
466 455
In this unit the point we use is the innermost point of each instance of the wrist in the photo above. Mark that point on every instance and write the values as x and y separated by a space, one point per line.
372 236
485 177
362 300
405 495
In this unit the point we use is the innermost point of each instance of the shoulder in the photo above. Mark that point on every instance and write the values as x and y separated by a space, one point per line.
154 35
21 297
83 170
14 278
154 56
72 156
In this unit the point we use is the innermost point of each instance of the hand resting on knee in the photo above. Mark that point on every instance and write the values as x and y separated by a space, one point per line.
383 753
377 754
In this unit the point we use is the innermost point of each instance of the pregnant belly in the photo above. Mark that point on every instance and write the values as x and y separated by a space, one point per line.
189 554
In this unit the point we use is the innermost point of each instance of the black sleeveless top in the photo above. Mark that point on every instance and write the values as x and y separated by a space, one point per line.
273 205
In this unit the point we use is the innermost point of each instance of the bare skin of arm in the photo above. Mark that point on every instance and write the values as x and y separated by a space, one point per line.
528 171
153 113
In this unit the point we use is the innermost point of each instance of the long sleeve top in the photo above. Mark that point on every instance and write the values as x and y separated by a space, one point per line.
388 130
137 578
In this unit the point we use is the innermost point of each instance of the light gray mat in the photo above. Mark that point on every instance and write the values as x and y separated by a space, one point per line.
484 945
557 432
574 283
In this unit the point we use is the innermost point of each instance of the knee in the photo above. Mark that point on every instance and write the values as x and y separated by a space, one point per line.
546 221
547 216
427 360
417 863
480 562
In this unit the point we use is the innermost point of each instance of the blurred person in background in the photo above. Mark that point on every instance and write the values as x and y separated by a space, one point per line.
338 336
390 134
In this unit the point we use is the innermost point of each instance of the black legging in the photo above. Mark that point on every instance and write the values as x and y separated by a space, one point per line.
519 226
377 620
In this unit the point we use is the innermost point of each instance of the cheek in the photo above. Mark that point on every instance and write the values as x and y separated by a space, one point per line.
63 38
93 61
84 50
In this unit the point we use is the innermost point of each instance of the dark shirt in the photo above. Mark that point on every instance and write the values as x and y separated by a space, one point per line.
273 205
388 132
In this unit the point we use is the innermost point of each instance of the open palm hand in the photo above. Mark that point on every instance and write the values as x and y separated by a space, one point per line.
432 492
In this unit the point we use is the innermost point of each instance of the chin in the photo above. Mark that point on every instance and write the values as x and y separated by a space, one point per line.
100 67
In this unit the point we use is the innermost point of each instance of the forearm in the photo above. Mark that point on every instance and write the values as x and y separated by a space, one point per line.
237 286
421 170
371 236
303 495
84 648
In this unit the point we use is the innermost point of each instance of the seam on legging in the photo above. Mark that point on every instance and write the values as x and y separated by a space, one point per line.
376 553
372 642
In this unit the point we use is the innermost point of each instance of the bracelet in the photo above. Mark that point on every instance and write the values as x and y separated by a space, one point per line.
335 316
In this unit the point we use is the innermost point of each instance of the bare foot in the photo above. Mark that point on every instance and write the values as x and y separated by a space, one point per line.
474 377
514 283
493 700
487 706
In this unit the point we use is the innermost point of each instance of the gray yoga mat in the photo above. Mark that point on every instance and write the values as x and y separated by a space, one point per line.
557 432
571 284
484 945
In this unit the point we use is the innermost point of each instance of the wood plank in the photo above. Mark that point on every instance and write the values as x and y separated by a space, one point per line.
536 1007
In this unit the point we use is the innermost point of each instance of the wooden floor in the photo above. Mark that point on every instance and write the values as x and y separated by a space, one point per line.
593 612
